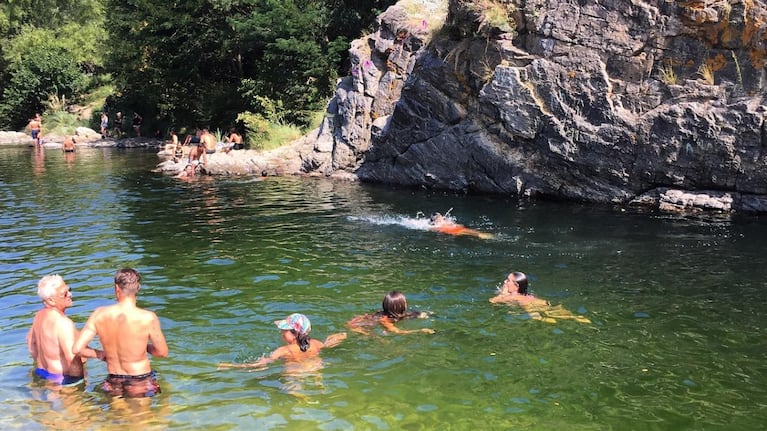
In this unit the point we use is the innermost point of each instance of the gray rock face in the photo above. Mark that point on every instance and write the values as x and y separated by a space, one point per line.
646 102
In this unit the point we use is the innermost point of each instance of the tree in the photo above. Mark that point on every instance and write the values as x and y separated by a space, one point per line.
69 34
46 72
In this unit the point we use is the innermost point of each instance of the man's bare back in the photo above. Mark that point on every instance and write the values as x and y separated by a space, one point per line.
127 333
50 341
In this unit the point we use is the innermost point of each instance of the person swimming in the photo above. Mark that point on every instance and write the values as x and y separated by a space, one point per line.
299 346
393 309
513 291
444 224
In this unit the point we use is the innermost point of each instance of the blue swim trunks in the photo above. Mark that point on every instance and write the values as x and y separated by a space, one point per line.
61 379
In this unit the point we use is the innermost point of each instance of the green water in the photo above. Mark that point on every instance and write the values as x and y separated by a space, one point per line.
677 304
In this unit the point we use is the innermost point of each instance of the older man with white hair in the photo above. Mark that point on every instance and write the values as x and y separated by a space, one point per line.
52 335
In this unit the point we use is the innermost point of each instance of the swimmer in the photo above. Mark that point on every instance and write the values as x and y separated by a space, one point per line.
443 224
188 172
298 348
394 309
513 291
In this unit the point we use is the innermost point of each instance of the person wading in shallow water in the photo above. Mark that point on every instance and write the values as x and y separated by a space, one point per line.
127 333
52 335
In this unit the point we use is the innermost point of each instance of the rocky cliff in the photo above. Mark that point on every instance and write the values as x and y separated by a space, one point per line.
660 103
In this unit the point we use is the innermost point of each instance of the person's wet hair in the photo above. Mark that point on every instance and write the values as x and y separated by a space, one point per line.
128 280
521 279
394 305
302 340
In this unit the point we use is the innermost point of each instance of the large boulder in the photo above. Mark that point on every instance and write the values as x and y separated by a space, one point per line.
620 101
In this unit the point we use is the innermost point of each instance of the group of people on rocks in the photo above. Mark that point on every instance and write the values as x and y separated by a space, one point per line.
117 124
203 144
128 334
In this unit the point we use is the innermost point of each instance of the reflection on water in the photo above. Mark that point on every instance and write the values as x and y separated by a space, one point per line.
675 303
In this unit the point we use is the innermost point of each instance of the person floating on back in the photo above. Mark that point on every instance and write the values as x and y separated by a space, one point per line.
299 346
394 309
513 291
443 224
127 334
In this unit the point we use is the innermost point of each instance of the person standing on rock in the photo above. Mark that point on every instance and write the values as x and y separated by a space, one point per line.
104 125
118 125
138 120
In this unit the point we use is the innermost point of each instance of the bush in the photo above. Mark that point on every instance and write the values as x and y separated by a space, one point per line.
37 76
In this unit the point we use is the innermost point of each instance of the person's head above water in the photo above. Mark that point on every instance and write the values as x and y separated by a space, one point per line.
394 304
436 218
515 282
296 322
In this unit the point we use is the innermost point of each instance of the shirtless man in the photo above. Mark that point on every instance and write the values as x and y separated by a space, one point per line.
35 127
235 139
197 155
69 144
209 141
127 334
52 335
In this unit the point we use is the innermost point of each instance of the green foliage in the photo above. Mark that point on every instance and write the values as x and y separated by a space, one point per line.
203 61
43 73
186 64
48 47
256 128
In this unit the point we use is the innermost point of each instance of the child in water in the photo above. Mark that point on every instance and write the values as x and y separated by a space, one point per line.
513 291
298 347
394 309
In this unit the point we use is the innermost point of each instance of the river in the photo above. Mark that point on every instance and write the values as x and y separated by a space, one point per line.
676 339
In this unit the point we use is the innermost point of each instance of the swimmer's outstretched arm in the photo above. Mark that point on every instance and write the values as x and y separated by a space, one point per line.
389 326
334 339
262 362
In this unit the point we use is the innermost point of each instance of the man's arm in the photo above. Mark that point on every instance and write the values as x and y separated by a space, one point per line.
158 346
32 344
85 337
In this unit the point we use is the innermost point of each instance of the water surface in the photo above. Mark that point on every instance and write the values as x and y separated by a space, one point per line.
676 303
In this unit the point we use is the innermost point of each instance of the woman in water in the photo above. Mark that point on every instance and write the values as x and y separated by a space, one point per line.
394 309
513 291
299 347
